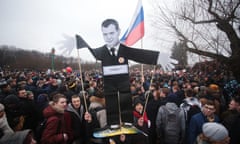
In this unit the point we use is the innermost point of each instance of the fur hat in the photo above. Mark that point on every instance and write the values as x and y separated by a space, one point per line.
214 131
98 97
98 93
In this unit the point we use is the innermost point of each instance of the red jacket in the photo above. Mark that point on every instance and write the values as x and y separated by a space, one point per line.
58 123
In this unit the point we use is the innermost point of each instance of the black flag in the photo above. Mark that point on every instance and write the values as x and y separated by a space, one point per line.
81 43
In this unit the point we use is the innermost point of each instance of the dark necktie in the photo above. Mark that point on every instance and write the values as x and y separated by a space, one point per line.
113 51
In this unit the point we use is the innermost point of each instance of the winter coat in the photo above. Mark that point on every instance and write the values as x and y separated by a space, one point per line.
140 138
152 110
58 122
161 121
30 113
195 126
79 125
11 137
100 118
101 114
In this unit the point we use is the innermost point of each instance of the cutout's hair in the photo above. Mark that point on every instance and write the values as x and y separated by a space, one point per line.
107 22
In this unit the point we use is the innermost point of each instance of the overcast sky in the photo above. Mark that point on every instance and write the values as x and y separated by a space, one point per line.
40 24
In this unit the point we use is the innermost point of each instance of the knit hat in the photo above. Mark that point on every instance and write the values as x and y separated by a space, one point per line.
11 101
214 88
137 101
172 98
214 131
3 83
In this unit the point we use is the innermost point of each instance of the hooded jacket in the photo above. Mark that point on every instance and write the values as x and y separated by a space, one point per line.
162 118
58 122
9 136
97 102
79 125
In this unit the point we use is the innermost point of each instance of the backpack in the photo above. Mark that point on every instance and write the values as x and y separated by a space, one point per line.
194 109
188 113
171 125
93 112
19 123
40 128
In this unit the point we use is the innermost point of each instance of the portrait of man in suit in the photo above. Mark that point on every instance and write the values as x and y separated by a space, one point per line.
114 58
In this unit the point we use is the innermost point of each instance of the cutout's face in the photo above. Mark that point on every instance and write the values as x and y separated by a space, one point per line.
111 35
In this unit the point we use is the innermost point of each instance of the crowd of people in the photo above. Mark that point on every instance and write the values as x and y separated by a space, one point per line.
181 107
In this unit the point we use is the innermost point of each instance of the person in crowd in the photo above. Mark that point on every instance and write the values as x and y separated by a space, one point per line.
213 133
79 123
98 111
5 89
41 103
12 81
14 112
164 92
30 86
170 122
191 106
52 85
232 111
64 89
177 92
92 87
30 95
220 104
231 119
8 136
58 126
207 114
153 105
28 108
141 121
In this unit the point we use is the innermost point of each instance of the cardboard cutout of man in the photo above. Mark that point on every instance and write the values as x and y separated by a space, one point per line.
114 58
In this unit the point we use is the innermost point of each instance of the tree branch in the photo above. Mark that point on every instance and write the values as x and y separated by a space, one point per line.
232 15
200 22
207 54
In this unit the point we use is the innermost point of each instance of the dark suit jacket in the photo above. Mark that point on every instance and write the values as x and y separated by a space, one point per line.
138 55
116 78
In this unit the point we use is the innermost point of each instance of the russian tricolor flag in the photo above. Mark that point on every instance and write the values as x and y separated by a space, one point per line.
136 29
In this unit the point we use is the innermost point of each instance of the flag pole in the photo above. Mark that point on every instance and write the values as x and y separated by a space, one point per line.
81 77
147 97
142 64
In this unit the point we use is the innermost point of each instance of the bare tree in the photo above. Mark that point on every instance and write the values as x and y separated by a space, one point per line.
179 54
207 27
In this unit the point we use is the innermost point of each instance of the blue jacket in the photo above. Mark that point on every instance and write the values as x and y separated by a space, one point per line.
195 126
